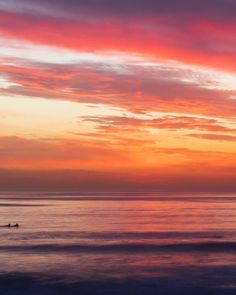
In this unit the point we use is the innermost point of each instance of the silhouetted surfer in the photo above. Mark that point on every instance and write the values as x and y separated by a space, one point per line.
9 225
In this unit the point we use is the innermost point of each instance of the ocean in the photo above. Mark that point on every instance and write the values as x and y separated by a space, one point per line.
145 244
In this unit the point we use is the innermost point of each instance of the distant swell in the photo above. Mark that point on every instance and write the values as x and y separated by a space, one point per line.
131 248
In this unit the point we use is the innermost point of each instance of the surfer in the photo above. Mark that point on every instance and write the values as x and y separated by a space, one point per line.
9 225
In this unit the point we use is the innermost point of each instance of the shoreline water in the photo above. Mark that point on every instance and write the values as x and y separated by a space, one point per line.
108 246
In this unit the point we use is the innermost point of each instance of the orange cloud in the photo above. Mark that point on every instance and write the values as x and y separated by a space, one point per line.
72 165
212 136
109 124
141 90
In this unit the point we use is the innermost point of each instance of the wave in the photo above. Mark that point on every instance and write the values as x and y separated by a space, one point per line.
124 247
106 235
21 205
121 197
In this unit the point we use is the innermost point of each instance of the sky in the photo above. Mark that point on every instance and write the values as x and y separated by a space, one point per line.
116 96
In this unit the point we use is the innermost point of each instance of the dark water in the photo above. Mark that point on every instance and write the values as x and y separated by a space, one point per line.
118 245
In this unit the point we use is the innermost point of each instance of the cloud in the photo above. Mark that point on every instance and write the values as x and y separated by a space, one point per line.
210 8
79 181
20 153
96 152
195 33
217 137
92 165
136 87
165 122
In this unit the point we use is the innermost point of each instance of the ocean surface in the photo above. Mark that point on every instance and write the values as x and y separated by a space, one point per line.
146 244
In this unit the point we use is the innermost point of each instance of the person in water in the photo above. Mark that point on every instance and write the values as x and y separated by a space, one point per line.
9 225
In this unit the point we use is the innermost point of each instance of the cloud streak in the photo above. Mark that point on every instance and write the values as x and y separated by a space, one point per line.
153 29
137 87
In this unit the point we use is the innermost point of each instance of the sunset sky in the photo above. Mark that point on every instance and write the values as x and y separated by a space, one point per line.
105 95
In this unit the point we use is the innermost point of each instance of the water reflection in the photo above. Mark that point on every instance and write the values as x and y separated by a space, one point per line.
156 241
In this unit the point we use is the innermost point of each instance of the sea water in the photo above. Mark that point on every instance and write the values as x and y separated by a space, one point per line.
127 244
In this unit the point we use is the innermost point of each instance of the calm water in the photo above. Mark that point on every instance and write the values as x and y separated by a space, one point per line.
108 245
